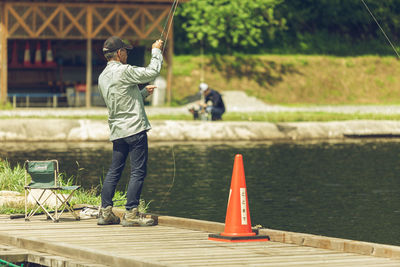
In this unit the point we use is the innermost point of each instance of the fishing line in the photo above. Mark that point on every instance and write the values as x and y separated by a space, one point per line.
170 20
170 188
173 177
166 21
394 49
202 62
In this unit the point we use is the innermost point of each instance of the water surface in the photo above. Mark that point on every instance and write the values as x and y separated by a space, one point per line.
346 189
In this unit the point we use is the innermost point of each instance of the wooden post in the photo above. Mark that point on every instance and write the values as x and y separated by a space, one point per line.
3 55
170 54
89 72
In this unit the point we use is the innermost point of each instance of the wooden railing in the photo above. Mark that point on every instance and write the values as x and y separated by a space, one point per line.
77 21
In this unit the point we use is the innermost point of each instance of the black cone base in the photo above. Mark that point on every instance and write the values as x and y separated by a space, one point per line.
223 238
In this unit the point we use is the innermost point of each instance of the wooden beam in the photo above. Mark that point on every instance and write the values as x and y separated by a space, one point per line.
74 20
156 22
57 20
47 21
3 55
21 21
105 21
16 25
130 23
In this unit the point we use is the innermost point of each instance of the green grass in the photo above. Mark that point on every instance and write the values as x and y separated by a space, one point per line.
5 106
276 117
292 79
273 117
14 208
13 179
187 65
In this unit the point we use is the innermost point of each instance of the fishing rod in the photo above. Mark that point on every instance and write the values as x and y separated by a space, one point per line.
168 22
376 21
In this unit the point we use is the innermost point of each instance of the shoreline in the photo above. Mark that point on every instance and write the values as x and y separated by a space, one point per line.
83 130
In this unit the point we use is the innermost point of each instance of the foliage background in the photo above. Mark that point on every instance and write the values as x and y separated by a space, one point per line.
333 27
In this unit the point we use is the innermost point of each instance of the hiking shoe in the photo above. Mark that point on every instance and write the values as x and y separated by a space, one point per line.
106 217
133 218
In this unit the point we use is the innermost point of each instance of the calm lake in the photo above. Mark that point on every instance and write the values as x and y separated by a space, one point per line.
347 189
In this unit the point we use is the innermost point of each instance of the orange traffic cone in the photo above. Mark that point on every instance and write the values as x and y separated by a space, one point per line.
27 55
38 55
237 221
49 56
14 56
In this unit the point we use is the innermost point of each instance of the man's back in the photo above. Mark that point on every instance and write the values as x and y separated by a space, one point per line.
118 84
216 99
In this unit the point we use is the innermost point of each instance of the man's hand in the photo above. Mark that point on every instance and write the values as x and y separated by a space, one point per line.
158 44
150 89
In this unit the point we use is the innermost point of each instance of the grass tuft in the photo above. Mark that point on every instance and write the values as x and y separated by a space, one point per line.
13 179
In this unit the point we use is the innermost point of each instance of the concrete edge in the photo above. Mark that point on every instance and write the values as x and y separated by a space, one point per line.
80 253
301 239
67 130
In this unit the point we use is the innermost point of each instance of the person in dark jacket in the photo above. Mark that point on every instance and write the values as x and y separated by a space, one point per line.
217 108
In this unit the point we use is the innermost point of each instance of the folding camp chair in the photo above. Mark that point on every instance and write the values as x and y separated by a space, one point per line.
44 176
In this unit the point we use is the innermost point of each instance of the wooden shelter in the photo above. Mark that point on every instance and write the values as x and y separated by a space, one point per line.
84 20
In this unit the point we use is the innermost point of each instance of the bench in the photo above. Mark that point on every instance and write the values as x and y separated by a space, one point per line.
28 96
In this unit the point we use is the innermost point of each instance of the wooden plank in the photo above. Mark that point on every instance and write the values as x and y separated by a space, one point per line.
350 261
168 246
3 55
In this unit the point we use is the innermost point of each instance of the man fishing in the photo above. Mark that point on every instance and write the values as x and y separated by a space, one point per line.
118 85
218 107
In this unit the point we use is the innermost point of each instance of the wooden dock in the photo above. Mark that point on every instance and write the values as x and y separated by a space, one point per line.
175 242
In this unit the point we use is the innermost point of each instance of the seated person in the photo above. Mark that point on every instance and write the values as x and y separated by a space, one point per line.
217 107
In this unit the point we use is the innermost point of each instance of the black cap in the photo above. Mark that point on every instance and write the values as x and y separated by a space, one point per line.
114 43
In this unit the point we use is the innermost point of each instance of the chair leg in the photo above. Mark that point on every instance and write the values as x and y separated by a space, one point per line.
62 204
39 201
33 211
66 205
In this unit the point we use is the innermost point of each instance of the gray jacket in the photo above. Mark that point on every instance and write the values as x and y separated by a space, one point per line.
118 85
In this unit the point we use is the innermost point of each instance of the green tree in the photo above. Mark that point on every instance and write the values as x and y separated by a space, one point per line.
340 27
234 25
344 17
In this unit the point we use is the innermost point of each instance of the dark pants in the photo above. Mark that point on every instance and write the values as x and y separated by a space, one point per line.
216 113
135 145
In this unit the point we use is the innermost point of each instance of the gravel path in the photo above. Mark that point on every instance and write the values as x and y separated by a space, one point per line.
236 101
